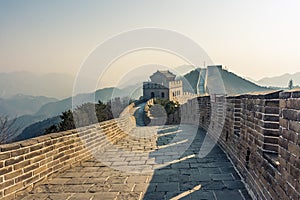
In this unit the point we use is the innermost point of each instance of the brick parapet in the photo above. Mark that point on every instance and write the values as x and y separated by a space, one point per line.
26 163
260 132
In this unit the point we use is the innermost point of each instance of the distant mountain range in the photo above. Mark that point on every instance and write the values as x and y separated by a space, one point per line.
41 112
50 85
280 81
54 109
37 129
20 104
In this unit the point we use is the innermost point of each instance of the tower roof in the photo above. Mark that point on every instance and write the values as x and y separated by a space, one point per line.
165 73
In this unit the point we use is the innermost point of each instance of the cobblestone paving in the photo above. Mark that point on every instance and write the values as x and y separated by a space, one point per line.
148 164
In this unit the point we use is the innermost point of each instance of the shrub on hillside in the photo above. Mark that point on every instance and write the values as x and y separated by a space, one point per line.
84 115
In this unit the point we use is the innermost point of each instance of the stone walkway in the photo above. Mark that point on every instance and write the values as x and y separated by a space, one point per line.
151 163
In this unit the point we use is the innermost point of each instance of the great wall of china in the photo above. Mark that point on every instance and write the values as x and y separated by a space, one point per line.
260 132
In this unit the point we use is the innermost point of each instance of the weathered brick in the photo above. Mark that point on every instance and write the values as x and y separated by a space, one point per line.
9 147
14 160
296 94
271 110
32 179
272 103
292 136
269 132
8 197
47 172
36 147
19 152
283 123
64 158
58 156
39 170
5 155
5 170
38 158
6 184
48 142
295 126
285 154
293 159
47 149
21 164
32 154
271 147
294 149
13 174
13 188
23 177
293 104
29 142
271 125
273 140
55 135
43 138
63 148
283 143
291 114
45 161
52 163
274 118
31 167
285 95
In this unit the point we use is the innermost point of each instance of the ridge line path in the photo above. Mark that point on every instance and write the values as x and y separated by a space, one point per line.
157 162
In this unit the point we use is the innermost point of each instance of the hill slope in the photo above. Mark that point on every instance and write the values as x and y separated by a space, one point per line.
280 81
54 109
190 81
51 85
233 83
37 129
20 104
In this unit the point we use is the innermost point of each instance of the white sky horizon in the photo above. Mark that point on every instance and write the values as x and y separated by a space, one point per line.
252 39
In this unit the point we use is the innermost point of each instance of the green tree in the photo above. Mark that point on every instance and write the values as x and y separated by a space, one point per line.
67 122
103 111
83 115
291 85
170 106
52 129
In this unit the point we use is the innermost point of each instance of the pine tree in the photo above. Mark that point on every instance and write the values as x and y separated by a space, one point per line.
291 85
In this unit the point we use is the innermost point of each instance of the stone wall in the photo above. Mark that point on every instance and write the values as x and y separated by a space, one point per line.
196 111
260 132
26 163
289 144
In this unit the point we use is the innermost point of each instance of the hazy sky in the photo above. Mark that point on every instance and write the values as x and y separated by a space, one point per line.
252 38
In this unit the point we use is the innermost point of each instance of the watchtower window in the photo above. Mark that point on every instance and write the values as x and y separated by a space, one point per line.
152 95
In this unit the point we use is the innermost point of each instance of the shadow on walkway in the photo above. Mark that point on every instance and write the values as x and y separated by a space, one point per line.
187 176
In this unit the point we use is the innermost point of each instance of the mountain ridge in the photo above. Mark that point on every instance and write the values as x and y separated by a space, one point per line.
52 85
281 80
20 104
